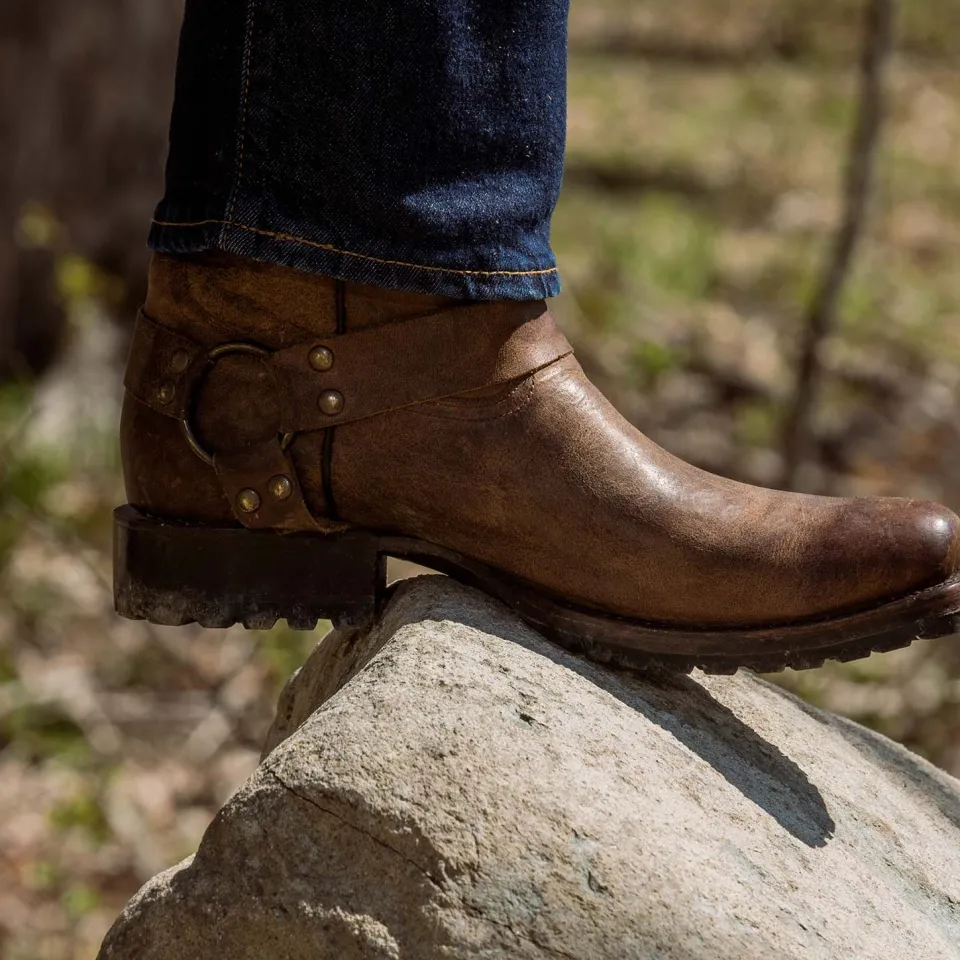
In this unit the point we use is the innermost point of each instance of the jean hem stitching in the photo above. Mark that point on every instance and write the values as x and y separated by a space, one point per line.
290 238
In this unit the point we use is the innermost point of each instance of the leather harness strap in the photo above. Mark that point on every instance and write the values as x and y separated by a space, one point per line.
332 380
261 483
384 368
163 367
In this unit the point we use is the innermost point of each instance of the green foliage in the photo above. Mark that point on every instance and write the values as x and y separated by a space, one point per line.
651 359
658 248
82 812
8 670
24 477
674 254
757 424
23 483
44 875
285 650
79 899
39 733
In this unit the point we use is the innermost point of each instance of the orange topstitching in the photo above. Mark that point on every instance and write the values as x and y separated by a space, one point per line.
361 256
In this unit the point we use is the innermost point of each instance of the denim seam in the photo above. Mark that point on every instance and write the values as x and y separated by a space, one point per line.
361 256
242 119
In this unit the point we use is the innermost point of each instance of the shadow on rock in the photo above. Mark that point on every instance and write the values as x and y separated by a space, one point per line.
691 714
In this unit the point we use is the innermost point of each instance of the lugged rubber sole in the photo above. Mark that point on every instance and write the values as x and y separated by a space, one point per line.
175 573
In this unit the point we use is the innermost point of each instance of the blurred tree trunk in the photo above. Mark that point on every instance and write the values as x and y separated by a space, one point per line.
85 93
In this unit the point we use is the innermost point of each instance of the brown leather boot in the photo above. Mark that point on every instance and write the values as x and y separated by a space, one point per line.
285 432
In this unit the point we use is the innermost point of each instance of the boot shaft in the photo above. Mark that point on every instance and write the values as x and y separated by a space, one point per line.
221 297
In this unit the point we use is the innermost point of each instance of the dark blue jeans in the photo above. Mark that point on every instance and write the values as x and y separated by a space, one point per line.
416 145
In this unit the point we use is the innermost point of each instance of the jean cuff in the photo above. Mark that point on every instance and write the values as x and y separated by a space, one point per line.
198 235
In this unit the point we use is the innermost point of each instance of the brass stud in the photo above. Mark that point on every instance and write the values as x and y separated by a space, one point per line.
331 402
280 487
179 361
321 358
166 391
248 501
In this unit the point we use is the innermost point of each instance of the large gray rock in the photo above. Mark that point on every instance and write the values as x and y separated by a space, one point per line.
450 785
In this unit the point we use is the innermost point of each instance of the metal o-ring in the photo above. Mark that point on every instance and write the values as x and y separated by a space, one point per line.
221 350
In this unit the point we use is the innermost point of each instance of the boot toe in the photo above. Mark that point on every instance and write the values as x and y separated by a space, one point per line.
865 552
936 531
918 545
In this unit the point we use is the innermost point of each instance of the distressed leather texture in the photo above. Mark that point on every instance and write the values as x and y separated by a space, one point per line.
538 476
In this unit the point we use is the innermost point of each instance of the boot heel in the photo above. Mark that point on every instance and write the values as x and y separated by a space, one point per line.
175 573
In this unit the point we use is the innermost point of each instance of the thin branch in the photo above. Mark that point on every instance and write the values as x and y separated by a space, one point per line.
878 43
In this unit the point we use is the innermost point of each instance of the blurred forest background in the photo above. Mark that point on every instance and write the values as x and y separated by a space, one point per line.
705 185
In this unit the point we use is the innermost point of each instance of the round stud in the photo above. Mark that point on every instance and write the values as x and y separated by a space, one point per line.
248 501
321 358
331 402
179 361
280 487
166 391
